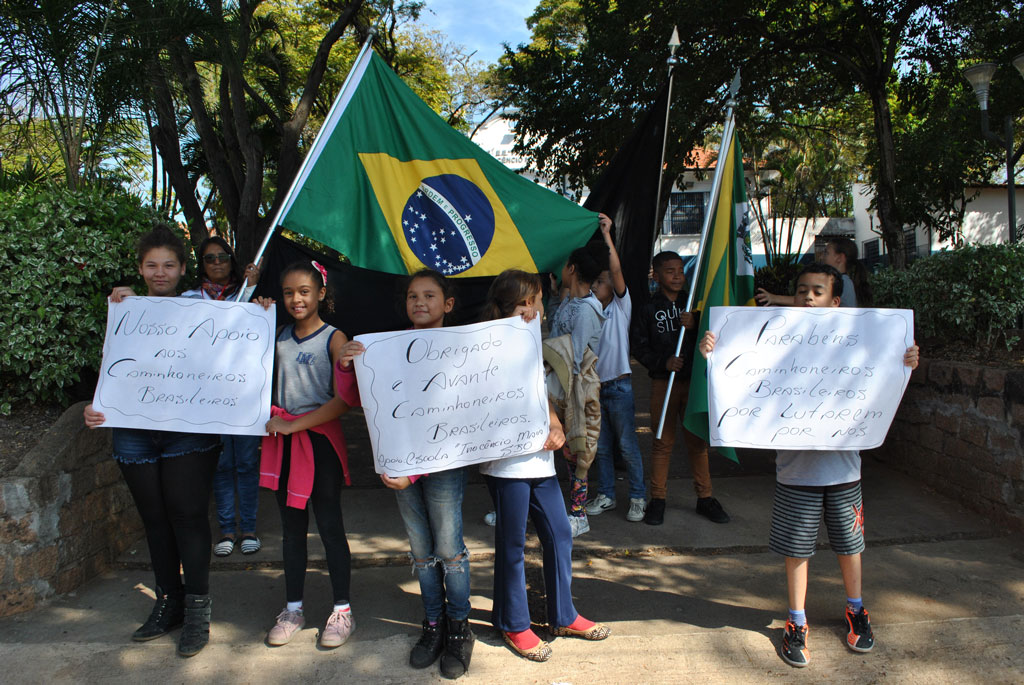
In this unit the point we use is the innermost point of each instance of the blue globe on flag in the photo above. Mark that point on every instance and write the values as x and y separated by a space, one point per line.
448 223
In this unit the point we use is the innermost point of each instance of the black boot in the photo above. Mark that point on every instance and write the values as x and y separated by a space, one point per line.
195 632
167 615
458 649
429 646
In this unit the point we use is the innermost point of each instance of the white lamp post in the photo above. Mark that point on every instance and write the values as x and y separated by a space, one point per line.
980 76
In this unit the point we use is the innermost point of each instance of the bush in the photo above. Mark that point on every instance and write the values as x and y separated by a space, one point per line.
61 251
970 295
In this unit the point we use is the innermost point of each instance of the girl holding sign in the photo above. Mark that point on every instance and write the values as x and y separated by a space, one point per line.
431 508
308 468
525 488
170 476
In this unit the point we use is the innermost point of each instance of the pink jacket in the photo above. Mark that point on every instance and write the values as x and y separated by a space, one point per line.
300 475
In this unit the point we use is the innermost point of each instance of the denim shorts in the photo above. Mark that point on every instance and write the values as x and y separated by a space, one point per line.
139 446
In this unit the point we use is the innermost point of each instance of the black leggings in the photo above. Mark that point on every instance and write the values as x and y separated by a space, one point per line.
325 501
172 495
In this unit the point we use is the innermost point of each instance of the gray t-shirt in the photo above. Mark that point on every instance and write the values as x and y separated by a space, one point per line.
817 467
581 317
849 296
304 377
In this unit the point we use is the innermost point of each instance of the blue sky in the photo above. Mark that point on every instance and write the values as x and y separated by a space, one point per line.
481 26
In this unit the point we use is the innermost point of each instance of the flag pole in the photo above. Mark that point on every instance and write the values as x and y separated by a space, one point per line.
314 150
724 150
672 61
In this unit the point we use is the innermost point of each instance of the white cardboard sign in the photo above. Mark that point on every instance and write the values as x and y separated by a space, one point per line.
800 378
440 398
187 365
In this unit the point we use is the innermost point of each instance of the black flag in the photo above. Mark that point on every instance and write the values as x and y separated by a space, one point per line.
365 301
627 192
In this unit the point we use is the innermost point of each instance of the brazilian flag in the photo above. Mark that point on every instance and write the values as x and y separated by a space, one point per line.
393 187
725 277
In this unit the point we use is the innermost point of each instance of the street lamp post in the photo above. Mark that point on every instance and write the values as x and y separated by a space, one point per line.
980 76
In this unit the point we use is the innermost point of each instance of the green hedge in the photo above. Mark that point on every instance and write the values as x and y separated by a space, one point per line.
971 295
60 253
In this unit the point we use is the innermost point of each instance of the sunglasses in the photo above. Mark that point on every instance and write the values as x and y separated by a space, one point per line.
218 258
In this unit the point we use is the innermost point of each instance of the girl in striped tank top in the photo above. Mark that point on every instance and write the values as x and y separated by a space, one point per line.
307 469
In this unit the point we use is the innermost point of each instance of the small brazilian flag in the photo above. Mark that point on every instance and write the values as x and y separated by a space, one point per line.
393 187
725 277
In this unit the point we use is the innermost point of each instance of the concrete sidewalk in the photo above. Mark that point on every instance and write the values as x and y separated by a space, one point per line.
689 601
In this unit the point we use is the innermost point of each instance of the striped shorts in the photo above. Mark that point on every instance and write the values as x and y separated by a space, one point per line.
796 517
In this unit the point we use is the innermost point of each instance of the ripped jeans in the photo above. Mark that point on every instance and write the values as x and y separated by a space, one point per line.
432 512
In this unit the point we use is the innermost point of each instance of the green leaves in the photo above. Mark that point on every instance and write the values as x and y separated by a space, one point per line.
971 295
61 252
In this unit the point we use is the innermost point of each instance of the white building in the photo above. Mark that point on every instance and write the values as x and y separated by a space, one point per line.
985 222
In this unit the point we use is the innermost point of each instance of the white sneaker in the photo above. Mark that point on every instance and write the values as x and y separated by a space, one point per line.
637 509
491 518
579 525
600 504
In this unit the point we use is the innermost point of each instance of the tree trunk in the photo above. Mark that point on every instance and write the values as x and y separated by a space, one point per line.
889 220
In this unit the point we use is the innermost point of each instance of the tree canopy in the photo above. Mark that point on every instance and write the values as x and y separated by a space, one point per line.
223 97
890 69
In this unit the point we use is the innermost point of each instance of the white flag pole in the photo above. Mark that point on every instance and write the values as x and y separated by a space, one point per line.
333 116
724 150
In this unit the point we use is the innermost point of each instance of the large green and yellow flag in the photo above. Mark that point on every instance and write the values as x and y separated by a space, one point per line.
725 277
394 188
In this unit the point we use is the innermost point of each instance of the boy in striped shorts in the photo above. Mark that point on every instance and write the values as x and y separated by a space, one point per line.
809 484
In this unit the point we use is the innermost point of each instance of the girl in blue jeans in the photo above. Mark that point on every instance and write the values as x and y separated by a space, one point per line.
431 508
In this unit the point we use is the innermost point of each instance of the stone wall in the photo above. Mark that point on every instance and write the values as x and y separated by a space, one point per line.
959 429
65 514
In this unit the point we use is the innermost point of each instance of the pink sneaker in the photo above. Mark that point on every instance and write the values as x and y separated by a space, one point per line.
339 626
288 623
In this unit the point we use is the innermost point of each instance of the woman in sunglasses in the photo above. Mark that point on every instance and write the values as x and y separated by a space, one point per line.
239 461
218 273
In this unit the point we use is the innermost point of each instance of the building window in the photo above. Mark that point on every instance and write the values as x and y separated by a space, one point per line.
871 249
910 243
685 213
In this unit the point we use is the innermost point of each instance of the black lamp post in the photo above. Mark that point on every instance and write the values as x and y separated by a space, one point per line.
980 76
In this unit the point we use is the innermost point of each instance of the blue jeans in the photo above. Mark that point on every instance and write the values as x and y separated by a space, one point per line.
240 458
432 512
143 446
618 433
515 501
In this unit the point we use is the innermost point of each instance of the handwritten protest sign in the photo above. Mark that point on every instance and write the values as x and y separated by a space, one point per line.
187 365
806 378
439 398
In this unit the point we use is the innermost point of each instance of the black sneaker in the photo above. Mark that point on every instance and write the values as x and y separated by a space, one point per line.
195 630
458 649
709 508
859 637
429 646
655 515
794 645
167 614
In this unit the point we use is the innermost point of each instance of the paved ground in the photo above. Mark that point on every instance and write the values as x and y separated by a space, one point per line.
689 601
